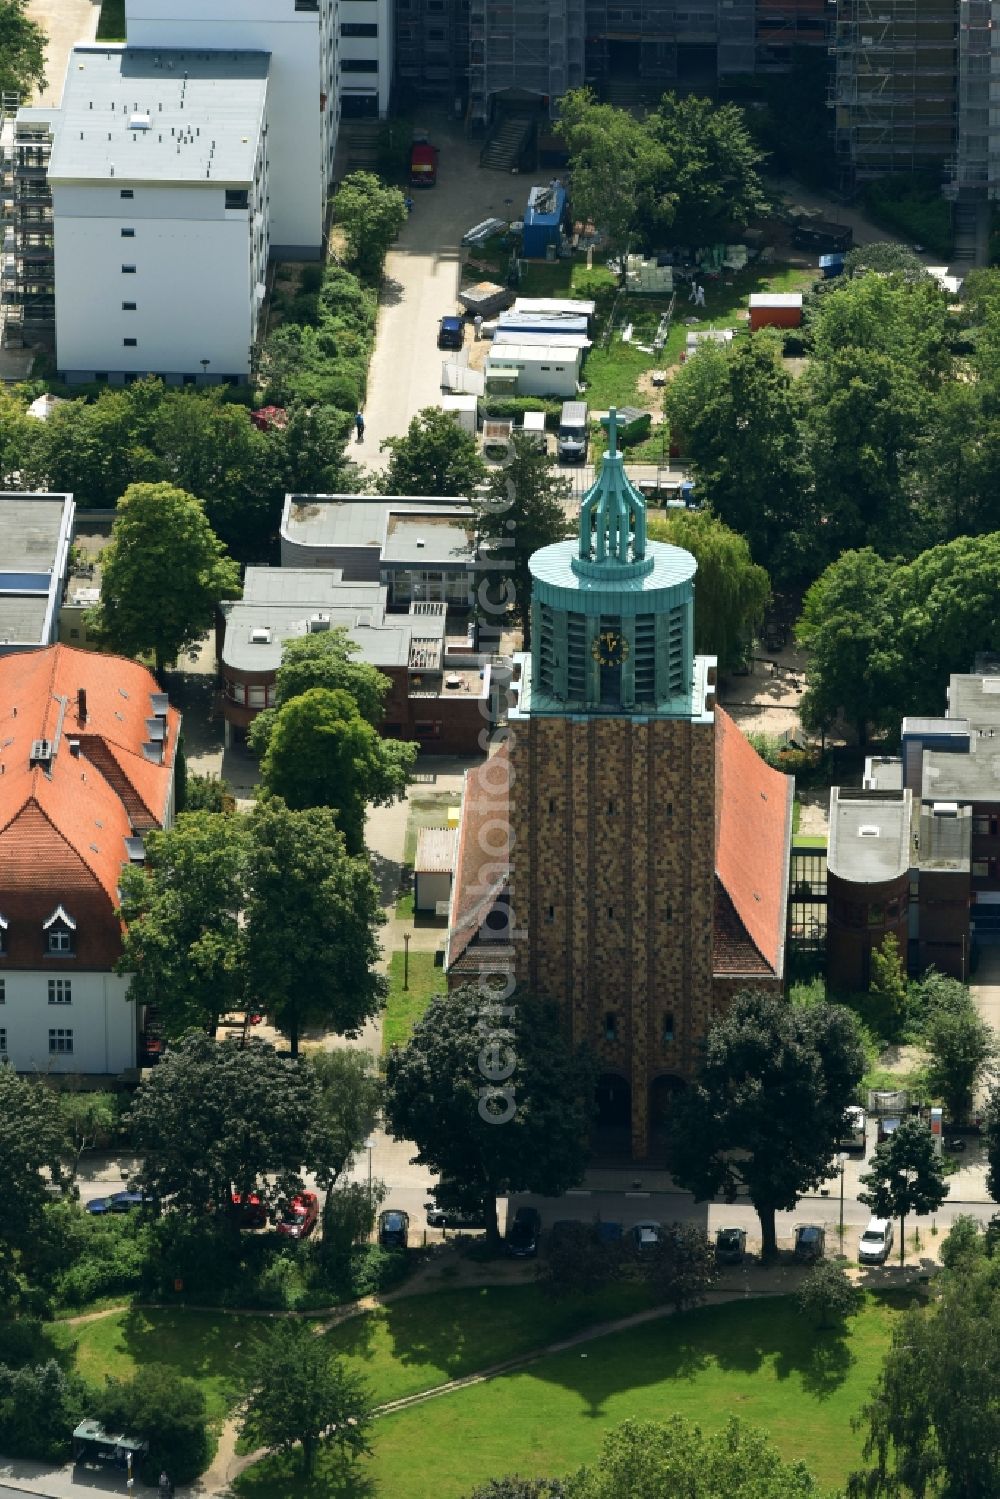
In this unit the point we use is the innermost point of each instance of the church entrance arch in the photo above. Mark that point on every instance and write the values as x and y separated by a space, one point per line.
614 1102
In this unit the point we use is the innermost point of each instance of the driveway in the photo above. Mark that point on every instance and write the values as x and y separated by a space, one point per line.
422 276
65 23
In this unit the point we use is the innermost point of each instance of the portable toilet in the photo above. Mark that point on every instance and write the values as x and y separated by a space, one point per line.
543 220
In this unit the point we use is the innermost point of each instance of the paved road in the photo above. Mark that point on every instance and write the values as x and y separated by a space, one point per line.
422 277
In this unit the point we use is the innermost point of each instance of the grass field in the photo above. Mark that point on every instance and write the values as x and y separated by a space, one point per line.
758 1359
405 1006
111 26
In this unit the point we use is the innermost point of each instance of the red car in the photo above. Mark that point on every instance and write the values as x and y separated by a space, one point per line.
299 1218
249 1211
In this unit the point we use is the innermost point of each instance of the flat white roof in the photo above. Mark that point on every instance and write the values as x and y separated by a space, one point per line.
776 299
558 306
165 115
560 353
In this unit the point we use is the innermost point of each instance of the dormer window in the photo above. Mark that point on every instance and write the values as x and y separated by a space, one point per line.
60 934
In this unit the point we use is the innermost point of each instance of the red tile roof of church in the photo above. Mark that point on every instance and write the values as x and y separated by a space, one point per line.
753 806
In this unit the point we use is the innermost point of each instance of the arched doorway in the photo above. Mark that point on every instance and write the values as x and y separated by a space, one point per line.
663 1091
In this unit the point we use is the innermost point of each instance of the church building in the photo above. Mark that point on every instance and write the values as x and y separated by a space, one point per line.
625 852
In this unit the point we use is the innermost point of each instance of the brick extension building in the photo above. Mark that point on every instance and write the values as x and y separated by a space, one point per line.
626 852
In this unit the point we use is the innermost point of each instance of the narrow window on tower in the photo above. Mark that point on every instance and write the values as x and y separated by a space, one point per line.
611 913
552 804
668 1028
670 913
611 808
550 914
611 1026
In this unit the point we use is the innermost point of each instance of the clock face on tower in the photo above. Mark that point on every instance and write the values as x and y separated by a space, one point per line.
610 648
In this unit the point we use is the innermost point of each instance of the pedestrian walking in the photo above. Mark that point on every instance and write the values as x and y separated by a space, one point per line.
477 323
693 293
359 426
699 300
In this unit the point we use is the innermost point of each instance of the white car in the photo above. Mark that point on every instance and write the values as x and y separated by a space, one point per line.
646 1236
876 1242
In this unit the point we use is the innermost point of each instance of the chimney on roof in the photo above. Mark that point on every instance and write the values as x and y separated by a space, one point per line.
81 706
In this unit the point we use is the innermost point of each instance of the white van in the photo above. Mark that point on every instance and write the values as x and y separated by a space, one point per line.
876 1242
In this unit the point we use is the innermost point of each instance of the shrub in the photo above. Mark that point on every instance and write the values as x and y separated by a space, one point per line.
110 1259
39 1407
166 1410
914 209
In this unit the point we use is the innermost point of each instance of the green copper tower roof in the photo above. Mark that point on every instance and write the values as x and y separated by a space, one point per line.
612 519
612 613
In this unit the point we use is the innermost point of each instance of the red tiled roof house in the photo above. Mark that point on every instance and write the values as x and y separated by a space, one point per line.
88 746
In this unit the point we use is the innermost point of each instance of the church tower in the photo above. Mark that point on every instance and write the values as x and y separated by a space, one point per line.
613 802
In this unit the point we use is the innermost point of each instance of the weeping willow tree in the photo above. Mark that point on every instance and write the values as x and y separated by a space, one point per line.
731 591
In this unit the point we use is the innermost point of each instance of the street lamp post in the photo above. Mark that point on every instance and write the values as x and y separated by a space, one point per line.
841 1162
370 1146
204 367
406 960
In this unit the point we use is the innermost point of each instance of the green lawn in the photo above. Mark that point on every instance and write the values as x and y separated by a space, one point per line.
111 26
205 1346
405 1006
758 1359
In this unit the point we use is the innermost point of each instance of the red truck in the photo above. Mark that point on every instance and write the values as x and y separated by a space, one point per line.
423 165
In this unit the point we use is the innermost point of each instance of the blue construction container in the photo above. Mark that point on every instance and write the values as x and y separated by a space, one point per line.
831 265
542 219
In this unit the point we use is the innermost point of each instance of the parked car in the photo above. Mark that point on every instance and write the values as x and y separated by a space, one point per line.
875 1244
646 1236
853 1132
393 1228
522 1235
299 1218
118 1202
451 333
730 1246
822 236
438 1217
810 1242
608 1232
249 1211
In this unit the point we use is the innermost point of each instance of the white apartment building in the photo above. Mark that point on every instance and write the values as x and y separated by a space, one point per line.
159 181
366 54
301 38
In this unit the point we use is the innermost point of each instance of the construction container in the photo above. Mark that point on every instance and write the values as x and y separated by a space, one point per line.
775 310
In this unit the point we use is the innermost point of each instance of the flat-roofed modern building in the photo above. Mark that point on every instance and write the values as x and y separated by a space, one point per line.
35 535
423 550
301 38
159 184
868 879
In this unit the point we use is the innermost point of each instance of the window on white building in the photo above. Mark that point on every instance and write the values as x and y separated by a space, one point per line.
128 270
128 234
129 306
130 343
60 1041
3 991
60 991
3 1042
257 697
126 192
59 931
359 64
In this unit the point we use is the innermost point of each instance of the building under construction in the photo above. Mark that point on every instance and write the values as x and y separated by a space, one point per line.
28 261
490 55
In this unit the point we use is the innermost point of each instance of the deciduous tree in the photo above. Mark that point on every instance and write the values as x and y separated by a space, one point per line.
222 1116
651 1459
325 660
169 1411
494 1095
348 1097
713 180
732 592
906 1177
522 510
767 1107
184 944
312 913
681 1268
164 571
613 159
828 1295
961 1046
32 1140
370 214
300 1395
432 457
850 633
22 51
323 753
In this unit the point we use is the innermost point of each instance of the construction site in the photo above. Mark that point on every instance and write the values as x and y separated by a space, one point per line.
28 314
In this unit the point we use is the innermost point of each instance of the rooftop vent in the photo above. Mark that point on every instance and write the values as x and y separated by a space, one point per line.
260 635
41 752
139 122
946 809
452 681
868 830
318 623
136 850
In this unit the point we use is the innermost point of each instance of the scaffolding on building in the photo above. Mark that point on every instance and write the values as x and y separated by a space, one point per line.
895 87
785 26
28 253
974 171
431 45
523 47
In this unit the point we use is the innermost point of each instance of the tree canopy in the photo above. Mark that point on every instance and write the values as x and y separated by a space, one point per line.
184 944
521 511
493 1095
848 630
32 1140
732 592
300 1394
961 1045
322 753
371 214
767 1107
22 51
217 1117
163 573
906 1177
432 457
323 660
312 915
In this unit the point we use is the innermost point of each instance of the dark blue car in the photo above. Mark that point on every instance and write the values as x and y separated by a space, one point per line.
451 333
118 1202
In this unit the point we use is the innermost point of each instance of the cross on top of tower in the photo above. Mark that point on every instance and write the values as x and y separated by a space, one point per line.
613 513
